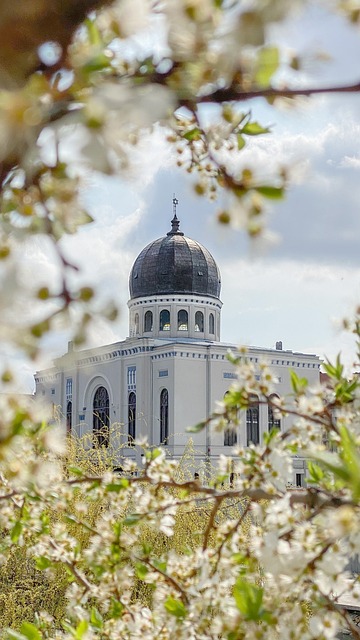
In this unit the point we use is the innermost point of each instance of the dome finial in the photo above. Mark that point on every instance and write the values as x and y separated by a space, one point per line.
175 222
175 204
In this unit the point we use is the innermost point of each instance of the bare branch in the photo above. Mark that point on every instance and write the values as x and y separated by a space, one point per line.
234 94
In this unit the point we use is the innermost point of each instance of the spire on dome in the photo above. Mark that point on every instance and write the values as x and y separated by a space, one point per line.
175 222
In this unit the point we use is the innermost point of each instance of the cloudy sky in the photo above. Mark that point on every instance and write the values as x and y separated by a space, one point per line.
297 289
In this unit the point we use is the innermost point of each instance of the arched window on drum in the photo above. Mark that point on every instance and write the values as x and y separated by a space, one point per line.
199 321
148 321
164 320
211 323
182 320
137 323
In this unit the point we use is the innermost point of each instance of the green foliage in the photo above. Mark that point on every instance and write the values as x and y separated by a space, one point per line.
249 600
175 608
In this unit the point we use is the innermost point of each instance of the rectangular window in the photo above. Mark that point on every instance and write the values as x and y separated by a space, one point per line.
299 479
131 377
69 388
163 373
52 392
231 375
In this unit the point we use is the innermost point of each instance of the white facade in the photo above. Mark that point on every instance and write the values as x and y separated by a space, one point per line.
165 377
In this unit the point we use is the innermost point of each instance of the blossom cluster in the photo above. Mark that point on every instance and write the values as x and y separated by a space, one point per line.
152 550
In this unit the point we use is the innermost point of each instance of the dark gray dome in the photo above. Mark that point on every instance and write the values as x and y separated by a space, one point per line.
174 264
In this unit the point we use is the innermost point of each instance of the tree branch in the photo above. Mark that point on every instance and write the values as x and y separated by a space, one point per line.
234 94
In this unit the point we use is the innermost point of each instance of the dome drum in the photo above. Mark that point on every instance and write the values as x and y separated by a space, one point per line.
178 316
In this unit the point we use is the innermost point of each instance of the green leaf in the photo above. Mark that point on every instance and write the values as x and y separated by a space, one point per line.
96 618
116 609
267 63
81 629
30 631
349 453
240 141
97 63
273 193
42 563
248 598
14 635
93 33
298 384
316 473
16 531
146 548
132 519
238 558
141 570
331 462
334 371
160 565
193 134
196 427
153 454
75 471
116 487
176 608
254 129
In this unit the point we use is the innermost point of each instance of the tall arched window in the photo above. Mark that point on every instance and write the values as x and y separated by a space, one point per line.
252 422
211 323
68 418
131 417
137 324
199 321
165 320
230 434
182 320
273 423
148 321
164 416
230 437
101 419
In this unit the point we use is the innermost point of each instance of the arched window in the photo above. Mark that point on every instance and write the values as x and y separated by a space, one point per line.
164 416
252 421
273 423
211 323
101 419
199 321
137 324
165 320
182 320
230 435
131 417
68 418
148 321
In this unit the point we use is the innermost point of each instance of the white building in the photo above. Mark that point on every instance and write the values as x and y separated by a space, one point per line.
170 371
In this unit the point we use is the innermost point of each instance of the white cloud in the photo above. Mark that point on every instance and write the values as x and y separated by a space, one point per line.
350 161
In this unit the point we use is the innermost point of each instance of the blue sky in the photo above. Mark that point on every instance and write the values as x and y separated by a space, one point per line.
296 290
